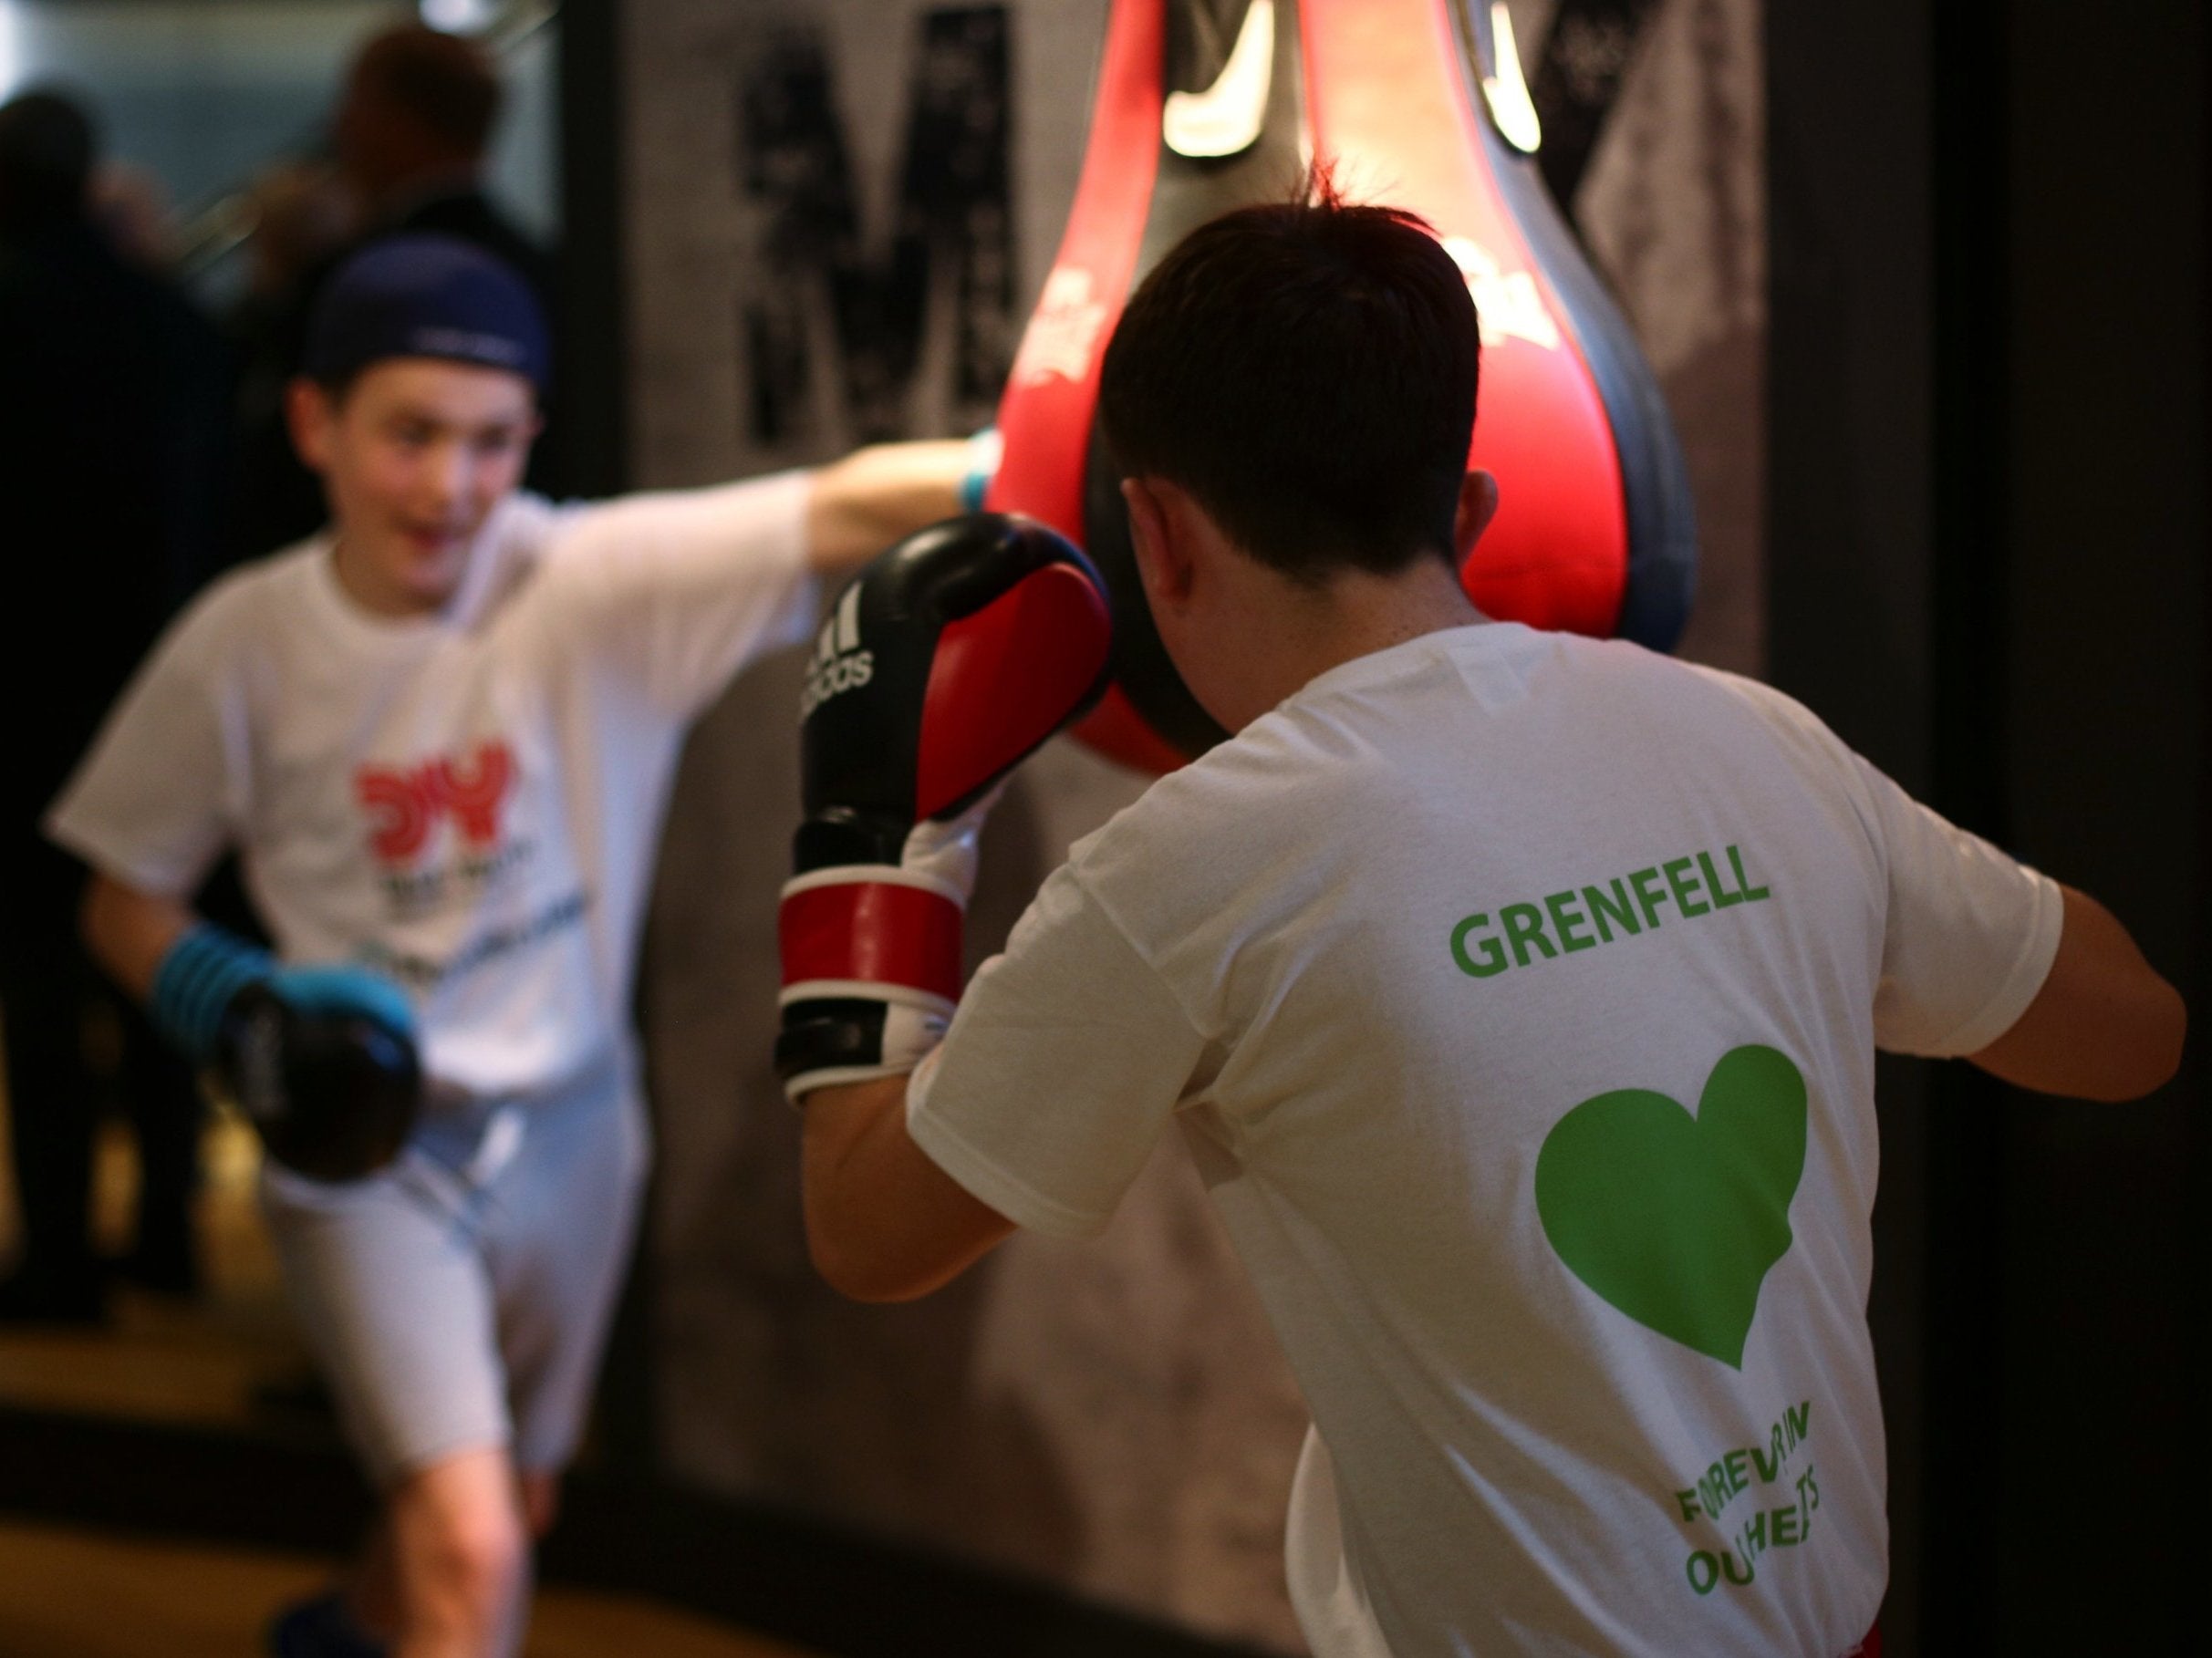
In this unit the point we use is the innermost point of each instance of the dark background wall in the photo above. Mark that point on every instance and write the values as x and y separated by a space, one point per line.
1987 568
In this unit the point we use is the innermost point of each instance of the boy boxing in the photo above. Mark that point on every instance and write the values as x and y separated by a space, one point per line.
1517 995
440 735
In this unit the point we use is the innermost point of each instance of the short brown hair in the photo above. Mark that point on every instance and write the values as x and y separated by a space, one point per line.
444 84
1306 369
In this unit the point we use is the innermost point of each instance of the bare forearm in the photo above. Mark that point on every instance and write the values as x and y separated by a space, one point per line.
2104 1026
868 500
128 932
883 1222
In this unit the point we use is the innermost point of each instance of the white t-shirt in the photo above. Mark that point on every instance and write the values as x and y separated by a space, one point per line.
468 800
1518 996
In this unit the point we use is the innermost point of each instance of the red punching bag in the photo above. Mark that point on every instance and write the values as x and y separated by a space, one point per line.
1207 104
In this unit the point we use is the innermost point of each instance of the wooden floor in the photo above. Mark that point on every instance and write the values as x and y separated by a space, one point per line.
69 1594
217 1360
160 1359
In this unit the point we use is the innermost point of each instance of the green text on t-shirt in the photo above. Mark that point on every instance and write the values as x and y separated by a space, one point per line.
1582 918
1766 1523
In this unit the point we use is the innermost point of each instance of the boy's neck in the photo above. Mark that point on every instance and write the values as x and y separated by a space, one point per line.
369 590
1370 613
1356 614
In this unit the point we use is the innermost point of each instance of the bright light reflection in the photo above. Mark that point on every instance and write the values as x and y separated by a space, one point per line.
458 16
11 48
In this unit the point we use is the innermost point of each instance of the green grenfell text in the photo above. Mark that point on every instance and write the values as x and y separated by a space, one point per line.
1582 917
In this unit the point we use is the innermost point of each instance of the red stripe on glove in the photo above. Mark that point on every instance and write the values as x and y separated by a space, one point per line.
1003 678
874 932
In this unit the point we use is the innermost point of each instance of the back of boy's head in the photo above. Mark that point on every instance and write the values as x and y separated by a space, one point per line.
1307 371
46 150
425 295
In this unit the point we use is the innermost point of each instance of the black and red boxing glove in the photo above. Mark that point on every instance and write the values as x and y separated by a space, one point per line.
941 667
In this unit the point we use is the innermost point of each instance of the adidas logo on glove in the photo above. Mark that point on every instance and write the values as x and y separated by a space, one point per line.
839 664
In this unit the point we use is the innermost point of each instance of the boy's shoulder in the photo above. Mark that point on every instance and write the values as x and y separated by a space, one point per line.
526 517
535 527
528 539
1661 687
1250 805
1337 758
255 592
518 540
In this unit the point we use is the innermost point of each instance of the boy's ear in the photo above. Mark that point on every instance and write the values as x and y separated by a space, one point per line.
1163 562
309 414
1478 506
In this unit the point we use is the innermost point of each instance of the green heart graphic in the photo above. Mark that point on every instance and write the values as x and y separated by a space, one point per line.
1674 1219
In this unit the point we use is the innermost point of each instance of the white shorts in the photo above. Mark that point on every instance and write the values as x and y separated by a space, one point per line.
460 1300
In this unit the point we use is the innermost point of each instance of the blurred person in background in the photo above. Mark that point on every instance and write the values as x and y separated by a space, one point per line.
302 216
411 128
112 436
131 209
440 737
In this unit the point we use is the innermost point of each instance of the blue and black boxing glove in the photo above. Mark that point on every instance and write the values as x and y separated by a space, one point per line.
321 1060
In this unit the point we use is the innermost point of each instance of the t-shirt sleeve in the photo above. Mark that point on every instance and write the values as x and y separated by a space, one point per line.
159 795
1969 933
1062 1067
675 590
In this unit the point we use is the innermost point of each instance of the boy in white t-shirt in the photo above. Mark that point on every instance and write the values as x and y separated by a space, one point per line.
440 735
1516 994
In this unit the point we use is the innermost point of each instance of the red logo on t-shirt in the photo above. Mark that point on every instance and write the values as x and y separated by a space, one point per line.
405 803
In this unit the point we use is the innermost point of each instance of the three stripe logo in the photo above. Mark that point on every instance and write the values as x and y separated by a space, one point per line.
840 664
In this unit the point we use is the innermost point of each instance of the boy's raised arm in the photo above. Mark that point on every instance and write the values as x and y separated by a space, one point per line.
864 502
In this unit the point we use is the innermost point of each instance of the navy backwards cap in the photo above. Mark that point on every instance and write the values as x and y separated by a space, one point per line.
426 296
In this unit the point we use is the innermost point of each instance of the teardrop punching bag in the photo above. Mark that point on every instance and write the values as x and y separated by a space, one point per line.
1208 105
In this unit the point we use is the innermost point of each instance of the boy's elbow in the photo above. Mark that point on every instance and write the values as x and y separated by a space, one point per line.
2167 1036
92 912
857 1272
871 1284
104 918
2148 1053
